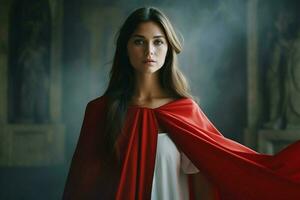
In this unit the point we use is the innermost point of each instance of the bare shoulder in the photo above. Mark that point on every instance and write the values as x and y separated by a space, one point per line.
166 100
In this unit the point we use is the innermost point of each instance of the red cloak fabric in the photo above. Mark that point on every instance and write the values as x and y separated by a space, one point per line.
237 172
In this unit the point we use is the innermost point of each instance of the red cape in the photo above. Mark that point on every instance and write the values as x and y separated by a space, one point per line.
236 171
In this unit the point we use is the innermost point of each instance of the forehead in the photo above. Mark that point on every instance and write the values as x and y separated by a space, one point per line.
149 29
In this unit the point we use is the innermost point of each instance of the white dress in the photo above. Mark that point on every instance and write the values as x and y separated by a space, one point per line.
170 174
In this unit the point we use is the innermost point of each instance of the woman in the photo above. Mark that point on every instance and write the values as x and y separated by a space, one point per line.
146 136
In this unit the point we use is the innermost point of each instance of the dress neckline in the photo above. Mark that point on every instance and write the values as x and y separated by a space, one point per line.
161 106
162 133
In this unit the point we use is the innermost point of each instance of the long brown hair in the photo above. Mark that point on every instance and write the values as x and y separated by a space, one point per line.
121 84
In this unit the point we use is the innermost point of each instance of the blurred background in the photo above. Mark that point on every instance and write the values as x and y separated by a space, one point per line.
241 57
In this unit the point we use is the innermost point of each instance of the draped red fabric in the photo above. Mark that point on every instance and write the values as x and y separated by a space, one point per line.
237 172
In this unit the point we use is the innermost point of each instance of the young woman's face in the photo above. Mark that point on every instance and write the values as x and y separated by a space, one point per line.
147 48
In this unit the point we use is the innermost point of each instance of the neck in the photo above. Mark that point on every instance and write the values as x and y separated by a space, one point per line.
147 87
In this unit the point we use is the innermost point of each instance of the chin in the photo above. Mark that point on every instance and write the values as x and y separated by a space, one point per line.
147 69
153 69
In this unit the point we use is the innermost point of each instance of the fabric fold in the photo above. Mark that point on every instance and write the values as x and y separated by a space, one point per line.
236 171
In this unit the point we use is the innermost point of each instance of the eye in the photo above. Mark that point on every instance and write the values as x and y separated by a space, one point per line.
138 42
158 42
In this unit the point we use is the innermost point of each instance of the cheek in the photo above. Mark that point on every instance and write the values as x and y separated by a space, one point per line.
134 56
163 53
134 52
131 53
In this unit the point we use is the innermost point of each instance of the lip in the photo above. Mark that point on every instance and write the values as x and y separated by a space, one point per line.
149 61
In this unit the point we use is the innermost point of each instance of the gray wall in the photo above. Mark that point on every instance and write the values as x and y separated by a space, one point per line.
213 60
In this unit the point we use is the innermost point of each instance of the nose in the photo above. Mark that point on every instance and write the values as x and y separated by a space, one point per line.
149 49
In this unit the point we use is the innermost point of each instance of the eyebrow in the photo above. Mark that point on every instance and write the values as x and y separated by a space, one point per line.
156 36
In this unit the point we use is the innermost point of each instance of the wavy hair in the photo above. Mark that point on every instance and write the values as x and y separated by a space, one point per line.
121 83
